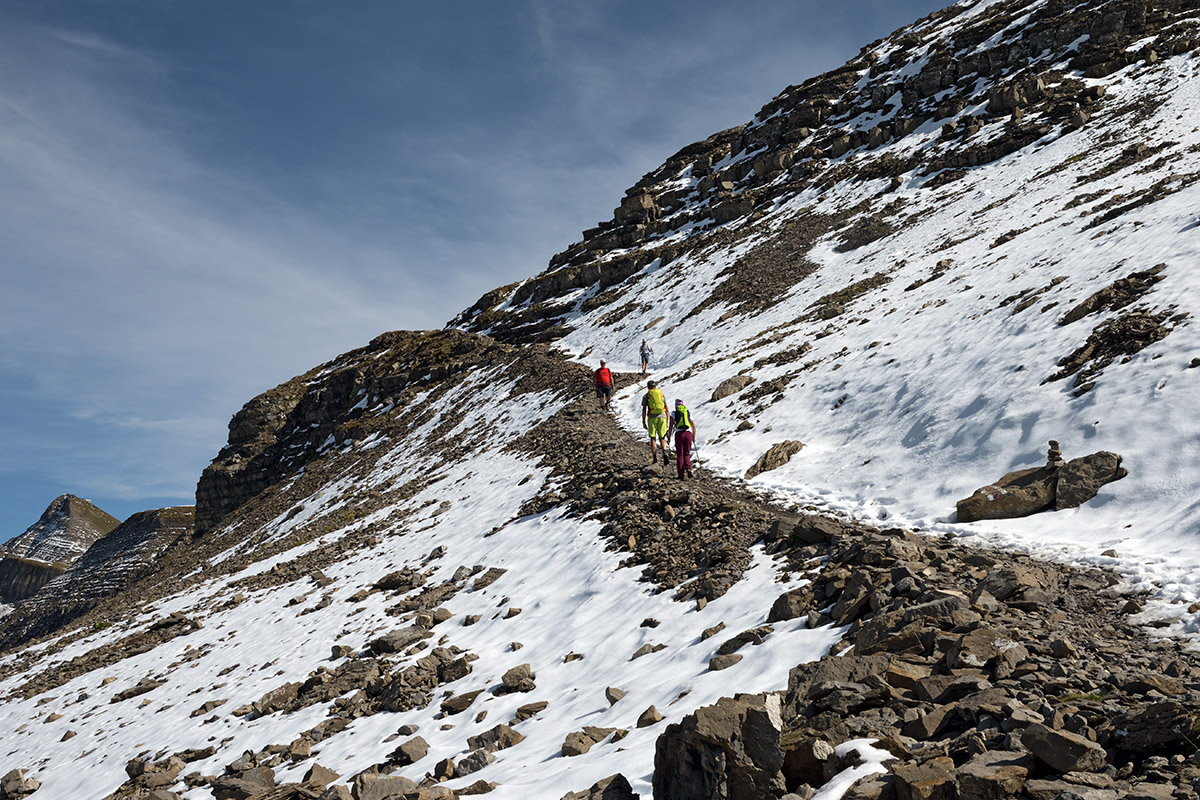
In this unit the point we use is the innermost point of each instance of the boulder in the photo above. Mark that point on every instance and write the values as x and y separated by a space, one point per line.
141 687
318 775
477 760
402 580
459 702
244 784
500 737
410 751
718 663
518 679
1161 727
398 640
1063 751
983 647
805 759
775 457
651 716
381 787
1080 479
614 787
1017 494
993 775
528 711
577 743
16 783
754 636
931 780
725 751
791 605
730 386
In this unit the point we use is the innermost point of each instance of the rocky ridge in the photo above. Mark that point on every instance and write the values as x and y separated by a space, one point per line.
111 563
989 83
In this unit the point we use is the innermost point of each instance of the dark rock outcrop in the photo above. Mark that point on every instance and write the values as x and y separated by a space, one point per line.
775 457
727 751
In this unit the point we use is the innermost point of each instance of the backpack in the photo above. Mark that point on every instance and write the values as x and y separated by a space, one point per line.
603 377
683 420
656 403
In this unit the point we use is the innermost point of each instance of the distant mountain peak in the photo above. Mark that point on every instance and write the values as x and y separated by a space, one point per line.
64 532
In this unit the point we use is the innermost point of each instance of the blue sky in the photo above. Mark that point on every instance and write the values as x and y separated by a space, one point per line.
199 201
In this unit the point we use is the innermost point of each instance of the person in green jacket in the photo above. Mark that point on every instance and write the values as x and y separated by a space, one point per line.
654 420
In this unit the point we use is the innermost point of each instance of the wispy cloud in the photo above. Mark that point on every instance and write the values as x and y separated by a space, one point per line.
153 294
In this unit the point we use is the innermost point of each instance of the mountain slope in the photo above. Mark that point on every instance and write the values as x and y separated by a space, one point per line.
401 555
978 236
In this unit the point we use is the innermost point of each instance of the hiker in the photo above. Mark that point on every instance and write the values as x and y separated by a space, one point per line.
685 435
604 385
654 420
646 352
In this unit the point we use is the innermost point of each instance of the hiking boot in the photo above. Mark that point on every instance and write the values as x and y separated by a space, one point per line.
689 473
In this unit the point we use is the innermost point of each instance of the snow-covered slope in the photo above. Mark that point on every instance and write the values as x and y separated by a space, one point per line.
899 254
438 483
957 224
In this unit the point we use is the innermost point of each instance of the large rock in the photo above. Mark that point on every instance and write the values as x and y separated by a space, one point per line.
398 640
1081 478
1161 727
993 775
577 743
382 787
730 386
1017 494
1056 486
614 787
411 751
500 737
727 751
1063 751
775 457
518 679
16 783
931 780
791 605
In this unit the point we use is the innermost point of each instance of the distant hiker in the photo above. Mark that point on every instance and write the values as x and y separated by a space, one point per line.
654 420
646 352
604 385
685 434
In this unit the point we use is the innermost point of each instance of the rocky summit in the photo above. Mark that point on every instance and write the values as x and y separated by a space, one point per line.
65 531
433 567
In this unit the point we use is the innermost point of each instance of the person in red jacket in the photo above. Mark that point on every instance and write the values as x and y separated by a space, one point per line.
604 386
